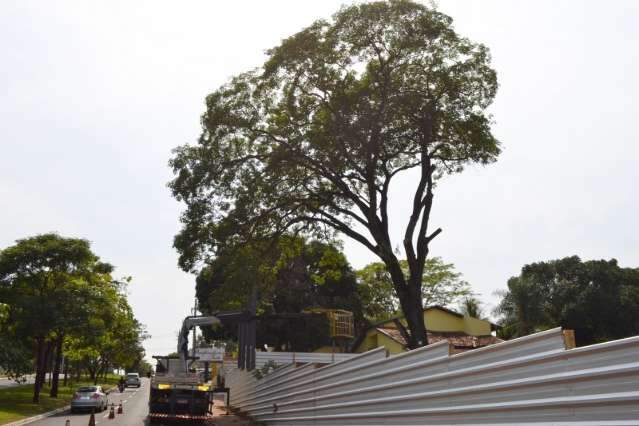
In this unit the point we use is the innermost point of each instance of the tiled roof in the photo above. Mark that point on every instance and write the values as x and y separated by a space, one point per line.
459 341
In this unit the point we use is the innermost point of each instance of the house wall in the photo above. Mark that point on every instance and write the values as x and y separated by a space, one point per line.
476 327
435 320
438 320
370 342
391 345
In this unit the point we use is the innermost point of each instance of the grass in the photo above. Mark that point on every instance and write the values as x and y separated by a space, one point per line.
15 402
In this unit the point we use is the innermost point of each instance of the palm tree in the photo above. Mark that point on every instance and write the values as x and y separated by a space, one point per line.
471 306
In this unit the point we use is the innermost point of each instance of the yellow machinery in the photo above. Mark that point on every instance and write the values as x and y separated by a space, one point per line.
340 325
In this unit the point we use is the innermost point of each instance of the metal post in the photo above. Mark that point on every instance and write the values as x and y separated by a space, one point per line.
194 328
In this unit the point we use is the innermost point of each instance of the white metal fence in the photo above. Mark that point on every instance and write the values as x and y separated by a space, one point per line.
532 380
282 358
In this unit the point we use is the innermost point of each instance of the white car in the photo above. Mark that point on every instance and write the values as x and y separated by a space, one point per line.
89 398
133 379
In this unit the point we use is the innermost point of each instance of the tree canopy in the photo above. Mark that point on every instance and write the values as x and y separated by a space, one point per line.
57 298
288 278
311 140
596 298
441 285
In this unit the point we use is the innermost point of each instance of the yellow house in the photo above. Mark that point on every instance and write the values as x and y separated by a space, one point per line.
462 332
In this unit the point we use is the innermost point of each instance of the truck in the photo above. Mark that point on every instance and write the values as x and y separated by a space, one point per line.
178 391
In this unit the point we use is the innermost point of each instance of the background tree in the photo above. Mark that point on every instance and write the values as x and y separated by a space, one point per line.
112 338
375 289
596 298
290 277
471 306
441 285
57 299
15 356
35 274
311 141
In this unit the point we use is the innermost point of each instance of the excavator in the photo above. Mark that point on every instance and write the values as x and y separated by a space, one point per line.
178 392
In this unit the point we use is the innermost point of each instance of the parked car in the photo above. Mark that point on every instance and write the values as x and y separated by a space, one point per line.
133 379
89 397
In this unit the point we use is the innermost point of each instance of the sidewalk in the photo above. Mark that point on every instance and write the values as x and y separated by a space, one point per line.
221 419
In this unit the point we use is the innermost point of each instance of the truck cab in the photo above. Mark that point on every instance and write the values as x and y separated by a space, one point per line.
176 394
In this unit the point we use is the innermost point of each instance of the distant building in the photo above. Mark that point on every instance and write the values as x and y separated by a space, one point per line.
461 331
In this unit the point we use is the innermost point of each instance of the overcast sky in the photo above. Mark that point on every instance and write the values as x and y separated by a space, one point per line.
95 94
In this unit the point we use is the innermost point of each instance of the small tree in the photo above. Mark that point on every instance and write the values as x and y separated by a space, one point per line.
312 140
471 306
441 285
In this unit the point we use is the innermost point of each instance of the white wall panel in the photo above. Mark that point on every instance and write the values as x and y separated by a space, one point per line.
533 380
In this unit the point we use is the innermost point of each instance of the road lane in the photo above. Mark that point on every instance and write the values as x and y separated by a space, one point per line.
135 407
134 404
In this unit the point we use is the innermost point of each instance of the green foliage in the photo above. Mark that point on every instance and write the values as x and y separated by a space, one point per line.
597 298
57 296
375 289
267 368
441 285
15 358
144 368
471 307
15 402
310 141
290 276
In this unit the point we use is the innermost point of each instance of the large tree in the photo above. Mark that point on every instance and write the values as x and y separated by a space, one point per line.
596 298
312 140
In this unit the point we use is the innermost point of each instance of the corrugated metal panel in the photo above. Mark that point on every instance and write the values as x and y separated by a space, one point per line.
281 358
528 381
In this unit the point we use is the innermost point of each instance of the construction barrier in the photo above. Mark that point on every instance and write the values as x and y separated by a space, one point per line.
532 380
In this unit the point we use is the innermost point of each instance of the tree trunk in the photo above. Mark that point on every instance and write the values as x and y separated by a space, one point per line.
46 362
66 372
100 372
414 313
50 363
39 366
410 299
56 368
49 367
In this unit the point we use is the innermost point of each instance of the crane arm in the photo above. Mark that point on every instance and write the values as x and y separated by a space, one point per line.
183 338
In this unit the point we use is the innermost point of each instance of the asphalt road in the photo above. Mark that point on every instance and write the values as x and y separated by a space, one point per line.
135 407
134 403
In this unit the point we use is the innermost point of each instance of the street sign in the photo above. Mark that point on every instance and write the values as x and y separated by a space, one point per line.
210 354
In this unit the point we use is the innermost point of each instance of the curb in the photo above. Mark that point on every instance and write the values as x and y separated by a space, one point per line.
45 415
38 417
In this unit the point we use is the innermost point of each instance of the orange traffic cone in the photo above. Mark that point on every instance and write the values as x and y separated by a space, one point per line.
120 411
91 419
112 412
